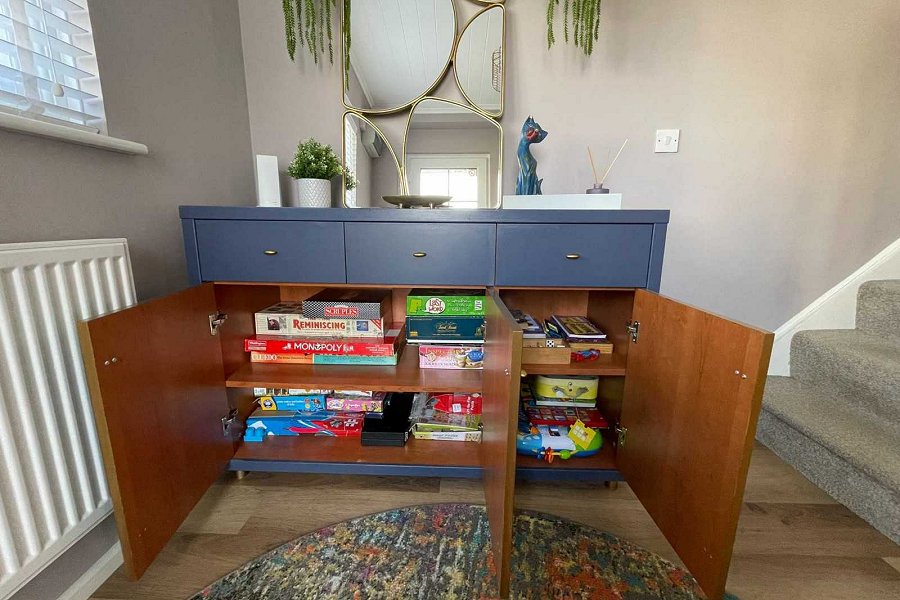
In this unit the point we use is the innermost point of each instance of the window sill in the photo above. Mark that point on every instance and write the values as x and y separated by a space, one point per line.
68 134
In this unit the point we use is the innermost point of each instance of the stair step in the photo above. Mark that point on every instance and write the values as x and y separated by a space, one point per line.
861 368
878 307
870 444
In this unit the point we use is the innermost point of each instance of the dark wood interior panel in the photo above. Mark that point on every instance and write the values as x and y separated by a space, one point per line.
611 310
503 359
155 374
692 398
240 302
541 303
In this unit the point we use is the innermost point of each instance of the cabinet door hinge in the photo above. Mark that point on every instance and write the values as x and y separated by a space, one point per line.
228 421
621 434
633 327
216 320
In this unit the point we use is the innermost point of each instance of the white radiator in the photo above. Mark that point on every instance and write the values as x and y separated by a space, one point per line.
52 486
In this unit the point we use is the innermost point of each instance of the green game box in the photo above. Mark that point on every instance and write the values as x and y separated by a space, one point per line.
445 303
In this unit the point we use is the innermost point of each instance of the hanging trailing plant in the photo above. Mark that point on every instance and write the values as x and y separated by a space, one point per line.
581 22
309 23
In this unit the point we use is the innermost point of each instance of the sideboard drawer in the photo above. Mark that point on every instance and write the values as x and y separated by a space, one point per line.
290 251
601 255
421 253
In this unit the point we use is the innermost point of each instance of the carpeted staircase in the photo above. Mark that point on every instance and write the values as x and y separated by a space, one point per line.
836 419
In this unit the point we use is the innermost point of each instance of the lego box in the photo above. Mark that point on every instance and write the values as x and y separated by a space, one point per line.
448 303
443 330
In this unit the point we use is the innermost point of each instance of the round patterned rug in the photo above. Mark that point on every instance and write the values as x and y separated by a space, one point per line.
442 551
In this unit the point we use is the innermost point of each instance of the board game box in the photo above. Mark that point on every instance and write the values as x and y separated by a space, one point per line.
352 403
448 303
348 304
446 436
444 330
322 359
293 423
286 319
387 346
308 403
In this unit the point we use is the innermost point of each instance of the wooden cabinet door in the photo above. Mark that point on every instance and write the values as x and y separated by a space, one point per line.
693 390
500 383
158 391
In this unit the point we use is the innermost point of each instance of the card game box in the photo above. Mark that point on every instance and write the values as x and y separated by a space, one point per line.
448 303
451 357
348 304
445 330
309 403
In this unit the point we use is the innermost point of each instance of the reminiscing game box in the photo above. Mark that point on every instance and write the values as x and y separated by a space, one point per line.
348 304
448 303
286 318
445 329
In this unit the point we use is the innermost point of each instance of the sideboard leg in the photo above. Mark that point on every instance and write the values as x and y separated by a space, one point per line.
241 474
612 485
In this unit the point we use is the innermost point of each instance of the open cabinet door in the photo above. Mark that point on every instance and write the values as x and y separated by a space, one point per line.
158 391
693 390
500 386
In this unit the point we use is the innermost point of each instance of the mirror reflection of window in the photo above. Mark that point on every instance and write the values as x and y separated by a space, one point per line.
351 139
465 177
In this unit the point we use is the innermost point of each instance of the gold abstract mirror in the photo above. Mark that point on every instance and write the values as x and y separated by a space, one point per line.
452 150
478 61
371 161
399 51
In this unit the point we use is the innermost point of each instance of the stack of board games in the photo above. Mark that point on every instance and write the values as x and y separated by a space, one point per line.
329 413
579 333
334 327
447 326
446 416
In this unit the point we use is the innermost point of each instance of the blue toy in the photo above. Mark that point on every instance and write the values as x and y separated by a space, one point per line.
546 442
254 434
528 183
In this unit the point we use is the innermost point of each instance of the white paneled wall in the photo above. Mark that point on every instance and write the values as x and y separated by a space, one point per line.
52 486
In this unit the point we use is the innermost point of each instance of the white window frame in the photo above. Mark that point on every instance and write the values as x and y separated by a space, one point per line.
480 162
52 75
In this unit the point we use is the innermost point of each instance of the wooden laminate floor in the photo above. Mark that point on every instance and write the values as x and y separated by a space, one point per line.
794 542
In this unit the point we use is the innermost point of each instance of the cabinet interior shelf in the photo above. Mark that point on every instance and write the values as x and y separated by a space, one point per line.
606 365
348 456
406 376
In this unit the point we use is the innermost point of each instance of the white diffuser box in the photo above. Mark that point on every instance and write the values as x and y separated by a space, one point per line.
268 186
564 202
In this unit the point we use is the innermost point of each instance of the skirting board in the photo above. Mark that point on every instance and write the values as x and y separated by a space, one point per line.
93 578
835 309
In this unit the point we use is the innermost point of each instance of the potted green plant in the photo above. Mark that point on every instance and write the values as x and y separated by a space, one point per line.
314 166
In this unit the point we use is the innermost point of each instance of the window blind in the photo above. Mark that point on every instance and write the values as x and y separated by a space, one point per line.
48 68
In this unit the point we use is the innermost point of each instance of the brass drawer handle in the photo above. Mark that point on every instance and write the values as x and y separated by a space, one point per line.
419 254
573 256
270 252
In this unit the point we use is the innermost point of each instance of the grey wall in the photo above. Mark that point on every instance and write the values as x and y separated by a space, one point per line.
786 180
172 77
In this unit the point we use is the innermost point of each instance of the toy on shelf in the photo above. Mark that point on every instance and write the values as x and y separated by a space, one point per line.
546 442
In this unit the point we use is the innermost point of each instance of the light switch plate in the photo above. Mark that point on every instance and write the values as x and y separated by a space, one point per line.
667 140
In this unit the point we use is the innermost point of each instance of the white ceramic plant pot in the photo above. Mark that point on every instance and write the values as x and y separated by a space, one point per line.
314 193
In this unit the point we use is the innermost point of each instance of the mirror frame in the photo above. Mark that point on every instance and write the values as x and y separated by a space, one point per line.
489 6
401 180
440 77
480 113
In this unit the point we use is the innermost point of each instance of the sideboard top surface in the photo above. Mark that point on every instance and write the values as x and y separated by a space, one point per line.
394 215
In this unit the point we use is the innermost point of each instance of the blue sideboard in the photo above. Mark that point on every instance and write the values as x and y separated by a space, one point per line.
509 248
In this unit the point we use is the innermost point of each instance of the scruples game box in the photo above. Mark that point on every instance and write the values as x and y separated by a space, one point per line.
348 304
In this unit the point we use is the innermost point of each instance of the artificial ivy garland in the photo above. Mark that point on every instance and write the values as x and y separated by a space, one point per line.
585 22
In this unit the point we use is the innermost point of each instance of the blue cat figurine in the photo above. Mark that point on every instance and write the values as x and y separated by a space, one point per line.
528 183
